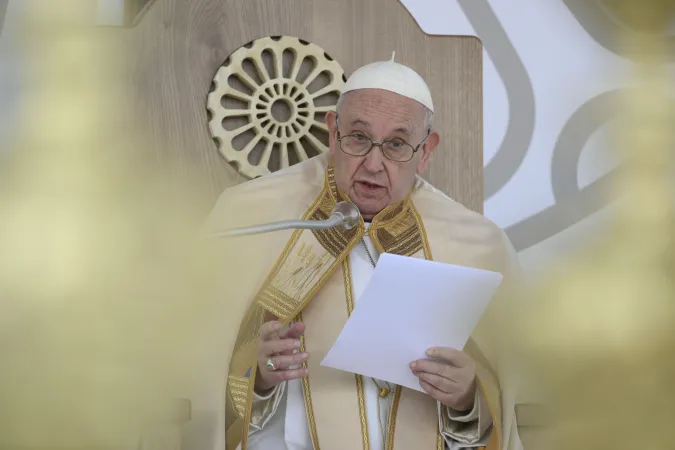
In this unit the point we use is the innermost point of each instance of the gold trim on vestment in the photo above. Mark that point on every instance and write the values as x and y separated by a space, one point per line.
360 388
391 422
249 410
300 271
360 391
425 239
440 441
309 409
308 260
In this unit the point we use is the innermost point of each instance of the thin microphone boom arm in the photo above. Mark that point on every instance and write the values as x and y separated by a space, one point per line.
344 213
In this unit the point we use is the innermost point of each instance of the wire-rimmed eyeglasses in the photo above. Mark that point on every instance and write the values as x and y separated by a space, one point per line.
395 150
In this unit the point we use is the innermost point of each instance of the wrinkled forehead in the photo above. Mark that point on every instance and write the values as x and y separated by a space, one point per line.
378 108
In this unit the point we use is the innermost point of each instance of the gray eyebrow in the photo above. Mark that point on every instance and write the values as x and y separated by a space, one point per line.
401 130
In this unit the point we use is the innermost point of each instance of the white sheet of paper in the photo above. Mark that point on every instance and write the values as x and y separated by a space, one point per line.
409 305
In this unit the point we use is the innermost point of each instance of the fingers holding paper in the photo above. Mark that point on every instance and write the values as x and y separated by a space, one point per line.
278 352
449 377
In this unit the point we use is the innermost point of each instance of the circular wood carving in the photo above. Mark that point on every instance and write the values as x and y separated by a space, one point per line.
268 103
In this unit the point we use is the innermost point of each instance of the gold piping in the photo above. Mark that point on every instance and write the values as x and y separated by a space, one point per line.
309 409
403 205
362 412
392 419
440 441
249 409
376 242
359 379
425 239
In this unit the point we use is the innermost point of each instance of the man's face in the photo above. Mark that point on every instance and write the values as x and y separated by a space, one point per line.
372 181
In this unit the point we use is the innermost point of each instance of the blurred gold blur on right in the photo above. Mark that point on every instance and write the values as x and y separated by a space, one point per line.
597 336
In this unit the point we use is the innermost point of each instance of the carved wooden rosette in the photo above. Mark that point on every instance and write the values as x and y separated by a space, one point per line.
268 102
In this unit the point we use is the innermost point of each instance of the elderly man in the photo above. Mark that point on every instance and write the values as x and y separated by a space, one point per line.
301 287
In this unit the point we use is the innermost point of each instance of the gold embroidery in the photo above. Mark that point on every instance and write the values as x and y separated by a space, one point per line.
298 271
278 267
276 302
407 244
315 266
332 239
330 179
298 274
347 273
401 233
392 419
440 441
425 239
294 282
291 289
244 356
247 341
391 213
238 390
360 390
309 409
247 418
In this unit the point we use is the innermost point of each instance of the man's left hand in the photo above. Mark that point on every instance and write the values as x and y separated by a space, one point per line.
450 378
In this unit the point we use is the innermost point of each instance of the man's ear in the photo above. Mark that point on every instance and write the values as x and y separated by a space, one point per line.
427 148
331 123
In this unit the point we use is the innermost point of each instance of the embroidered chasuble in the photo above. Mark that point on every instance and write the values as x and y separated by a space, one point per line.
305 275
279 419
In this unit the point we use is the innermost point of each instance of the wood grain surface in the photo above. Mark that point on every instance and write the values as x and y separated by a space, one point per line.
178 45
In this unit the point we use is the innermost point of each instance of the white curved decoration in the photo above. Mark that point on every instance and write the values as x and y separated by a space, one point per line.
550 75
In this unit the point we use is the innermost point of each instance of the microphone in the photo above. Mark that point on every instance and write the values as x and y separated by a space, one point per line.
345 214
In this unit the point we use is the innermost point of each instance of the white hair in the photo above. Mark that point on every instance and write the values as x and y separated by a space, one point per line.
428 114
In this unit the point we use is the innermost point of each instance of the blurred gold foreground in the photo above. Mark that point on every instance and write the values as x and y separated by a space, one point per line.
107 297
598 335
104 284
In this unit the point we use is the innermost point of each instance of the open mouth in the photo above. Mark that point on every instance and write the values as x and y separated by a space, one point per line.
368 185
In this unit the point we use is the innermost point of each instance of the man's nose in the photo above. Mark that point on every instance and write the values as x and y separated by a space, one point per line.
374 159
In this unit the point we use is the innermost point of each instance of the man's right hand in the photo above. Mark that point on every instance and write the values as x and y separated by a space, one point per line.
284 351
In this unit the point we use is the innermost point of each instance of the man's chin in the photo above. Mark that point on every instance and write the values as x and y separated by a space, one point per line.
368 211
368 206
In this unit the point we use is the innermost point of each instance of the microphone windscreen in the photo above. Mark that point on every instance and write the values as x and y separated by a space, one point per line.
350 213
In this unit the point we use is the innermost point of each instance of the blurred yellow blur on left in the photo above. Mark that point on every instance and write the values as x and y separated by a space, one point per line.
105 285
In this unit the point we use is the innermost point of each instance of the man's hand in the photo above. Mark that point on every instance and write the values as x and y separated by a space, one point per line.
451 379
283 349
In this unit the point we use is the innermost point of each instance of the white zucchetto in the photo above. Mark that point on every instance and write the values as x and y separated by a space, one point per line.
391 76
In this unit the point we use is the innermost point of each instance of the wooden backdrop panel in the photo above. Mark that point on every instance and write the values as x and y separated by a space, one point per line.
178 46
